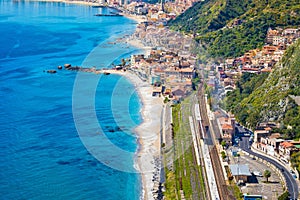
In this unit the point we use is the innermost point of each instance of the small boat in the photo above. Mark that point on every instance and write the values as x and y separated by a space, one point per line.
106 73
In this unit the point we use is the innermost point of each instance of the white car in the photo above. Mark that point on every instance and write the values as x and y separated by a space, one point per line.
257 173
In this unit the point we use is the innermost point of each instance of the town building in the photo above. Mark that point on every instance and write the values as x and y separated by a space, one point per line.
240 172
227 125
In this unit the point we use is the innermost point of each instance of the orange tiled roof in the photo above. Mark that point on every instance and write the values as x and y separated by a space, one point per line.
187 70
266 70
227 127
286 144
268 128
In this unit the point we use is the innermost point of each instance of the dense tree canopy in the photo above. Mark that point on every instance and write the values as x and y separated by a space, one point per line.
212 21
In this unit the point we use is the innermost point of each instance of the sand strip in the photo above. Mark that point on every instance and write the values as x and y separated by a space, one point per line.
148 133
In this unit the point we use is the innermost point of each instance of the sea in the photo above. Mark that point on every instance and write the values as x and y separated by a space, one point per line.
68 135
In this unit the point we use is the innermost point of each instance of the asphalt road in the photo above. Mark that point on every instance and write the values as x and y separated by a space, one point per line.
290 181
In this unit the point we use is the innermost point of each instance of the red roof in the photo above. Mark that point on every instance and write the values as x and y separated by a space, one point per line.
227 127
268 128
286 144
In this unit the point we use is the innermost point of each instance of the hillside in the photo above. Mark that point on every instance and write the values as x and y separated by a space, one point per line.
262 98
209 16
228 28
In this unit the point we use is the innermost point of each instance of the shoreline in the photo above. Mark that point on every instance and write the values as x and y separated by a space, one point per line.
135 18
147 156
138 44
69 2
148 133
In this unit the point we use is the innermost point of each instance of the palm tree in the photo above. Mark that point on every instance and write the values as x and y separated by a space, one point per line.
267 175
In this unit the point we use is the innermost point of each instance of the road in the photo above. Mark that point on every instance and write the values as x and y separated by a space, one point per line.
292 185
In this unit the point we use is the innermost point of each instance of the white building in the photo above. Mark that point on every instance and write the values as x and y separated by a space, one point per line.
290 31
279 40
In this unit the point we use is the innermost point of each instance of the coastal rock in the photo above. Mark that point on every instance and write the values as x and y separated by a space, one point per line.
51 71
67 66
111 130
76 68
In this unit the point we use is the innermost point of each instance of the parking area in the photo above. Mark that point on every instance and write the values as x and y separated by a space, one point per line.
257 183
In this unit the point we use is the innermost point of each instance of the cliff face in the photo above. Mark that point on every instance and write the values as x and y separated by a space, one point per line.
229 28
276 98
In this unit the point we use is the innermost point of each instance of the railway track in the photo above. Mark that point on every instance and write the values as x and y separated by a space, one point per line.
222 187
217 168
195 181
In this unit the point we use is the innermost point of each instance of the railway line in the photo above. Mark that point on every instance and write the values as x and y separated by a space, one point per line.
209 140
198 176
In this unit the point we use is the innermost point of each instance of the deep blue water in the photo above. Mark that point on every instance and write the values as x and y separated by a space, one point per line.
66 135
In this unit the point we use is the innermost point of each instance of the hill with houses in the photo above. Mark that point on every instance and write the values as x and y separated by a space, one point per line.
271 97
229 28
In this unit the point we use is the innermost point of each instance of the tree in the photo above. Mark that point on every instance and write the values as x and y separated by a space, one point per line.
223 155
267 175
284 196
166 100
223 143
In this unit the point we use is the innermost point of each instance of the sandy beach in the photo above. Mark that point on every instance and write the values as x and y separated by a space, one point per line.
147 161
136 18
138 44
148 133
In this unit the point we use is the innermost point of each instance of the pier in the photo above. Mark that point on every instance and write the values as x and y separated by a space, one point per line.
112 15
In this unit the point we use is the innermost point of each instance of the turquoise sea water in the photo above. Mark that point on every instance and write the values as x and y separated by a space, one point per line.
48 120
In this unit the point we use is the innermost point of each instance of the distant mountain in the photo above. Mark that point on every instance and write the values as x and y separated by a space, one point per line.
228 28
276 97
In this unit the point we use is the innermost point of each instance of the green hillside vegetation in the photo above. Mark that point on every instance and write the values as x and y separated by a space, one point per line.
211 20
210 15
263 98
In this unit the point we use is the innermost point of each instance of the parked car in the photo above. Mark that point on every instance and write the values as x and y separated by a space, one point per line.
295 176
257 173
